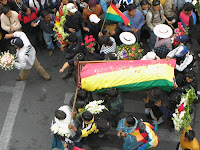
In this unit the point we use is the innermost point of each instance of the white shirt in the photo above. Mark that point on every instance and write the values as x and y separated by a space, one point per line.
188 59
25 57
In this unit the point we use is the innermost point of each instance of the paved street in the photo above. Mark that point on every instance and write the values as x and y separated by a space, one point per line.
27 109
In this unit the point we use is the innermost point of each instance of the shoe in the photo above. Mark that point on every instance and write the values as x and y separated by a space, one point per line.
65 76
50 52
18 78
48 79
199 54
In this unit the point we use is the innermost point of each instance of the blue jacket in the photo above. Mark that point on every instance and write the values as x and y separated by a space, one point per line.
136 22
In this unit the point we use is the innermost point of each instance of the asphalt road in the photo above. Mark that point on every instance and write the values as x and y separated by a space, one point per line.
27 109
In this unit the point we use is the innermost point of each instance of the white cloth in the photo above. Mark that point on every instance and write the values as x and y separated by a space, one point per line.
25 57
188 59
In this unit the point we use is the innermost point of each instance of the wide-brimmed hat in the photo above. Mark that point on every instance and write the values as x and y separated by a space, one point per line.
127 38
162 31
155 94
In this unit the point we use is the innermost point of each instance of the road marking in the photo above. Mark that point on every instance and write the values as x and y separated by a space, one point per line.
8 89
68 96
11 115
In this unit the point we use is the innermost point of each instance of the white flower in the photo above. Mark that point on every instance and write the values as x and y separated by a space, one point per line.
94 107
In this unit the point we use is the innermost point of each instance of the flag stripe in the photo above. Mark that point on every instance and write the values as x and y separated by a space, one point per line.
114 17
162 84
147 65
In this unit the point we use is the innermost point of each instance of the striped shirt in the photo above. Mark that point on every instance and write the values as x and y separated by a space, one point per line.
109 49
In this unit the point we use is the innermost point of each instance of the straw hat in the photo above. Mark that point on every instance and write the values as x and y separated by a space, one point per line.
162 31
127 38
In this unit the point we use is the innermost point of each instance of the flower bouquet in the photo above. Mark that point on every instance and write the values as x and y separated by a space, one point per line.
89 43
58 26
94 107
179 31
181 118
60 127
129 52
7 60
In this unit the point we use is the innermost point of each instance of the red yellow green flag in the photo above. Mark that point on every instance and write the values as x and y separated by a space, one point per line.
115 14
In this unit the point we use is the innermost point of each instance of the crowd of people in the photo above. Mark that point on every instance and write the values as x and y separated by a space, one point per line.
29 26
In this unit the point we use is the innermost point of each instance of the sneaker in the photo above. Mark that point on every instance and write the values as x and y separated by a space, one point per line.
18 78
50 52
199 54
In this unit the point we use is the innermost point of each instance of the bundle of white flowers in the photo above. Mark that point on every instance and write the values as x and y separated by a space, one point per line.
181 118
60 127
94 107
7 60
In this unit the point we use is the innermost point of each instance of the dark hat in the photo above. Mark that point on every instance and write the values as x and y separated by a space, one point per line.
182 38
17 42
155 2
92 3
154 94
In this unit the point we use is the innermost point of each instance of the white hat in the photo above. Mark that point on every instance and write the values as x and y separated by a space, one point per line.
162 31
93 18
71 7
127 38
150 56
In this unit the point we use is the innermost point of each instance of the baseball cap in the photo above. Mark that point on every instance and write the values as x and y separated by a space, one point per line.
93 18
17 42
71 7
182 38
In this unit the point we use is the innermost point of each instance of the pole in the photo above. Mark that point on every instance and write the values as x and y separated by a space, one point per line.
168 21
74 104
103 25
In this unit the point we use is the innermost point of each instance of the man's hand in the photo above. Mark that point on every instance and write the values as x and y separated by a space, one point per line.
61 70
74 114
8 36
118 6
70 126
54 10
175 85
100 34
33 24
167 58
86 29
119 133
134 30
170 22
123 134
12 29
72 30
158 103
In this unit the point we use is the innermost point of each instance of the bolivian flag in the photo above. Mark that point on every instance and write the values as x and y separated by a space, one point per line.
128 75
115 14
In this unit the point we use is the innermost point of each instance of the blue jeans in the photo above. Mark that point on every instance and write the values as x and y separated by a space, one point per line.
152 40
48 40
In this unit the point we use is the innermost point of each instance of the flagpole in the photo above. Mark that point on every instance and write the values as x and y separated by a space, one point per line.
103 25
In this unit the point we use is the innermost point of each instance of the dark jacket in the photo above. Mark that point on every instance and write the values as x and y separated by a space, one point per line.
76 22
72 50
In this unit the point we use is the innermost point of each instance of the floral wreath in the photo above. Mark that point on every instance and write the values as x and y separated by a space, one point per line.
181 118
58 26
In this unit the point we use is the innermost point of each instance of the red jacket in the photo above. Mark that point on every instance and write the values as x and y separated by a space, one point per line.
26 19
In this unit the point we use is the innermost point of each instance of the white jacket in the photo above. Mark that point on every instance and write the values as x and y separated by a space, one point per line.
188 59
25 57
6 22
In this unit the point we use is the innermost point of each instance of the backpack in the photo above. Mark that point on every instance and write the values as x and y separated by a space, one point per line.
102 125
